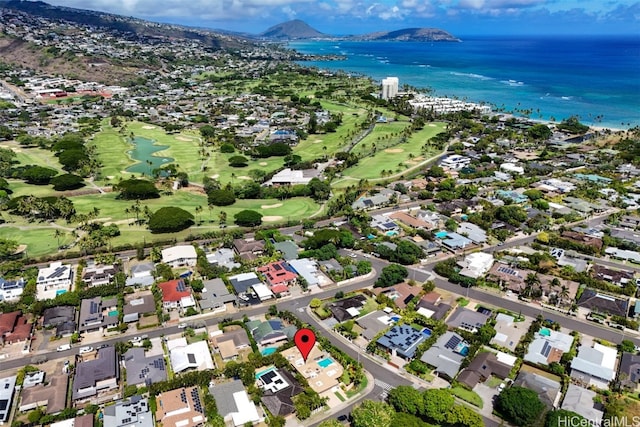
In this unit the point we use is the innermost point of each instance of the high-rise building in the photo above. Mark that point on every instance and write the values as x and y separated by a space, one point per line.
389 87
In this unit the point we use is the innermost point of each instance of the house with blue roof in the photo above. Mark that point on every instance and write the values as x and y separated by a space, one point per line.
270 332
592 178
456 241
512 195
401 340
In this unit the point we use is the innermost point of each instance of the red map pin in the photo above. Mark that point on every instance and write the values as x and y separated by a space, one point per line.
305 339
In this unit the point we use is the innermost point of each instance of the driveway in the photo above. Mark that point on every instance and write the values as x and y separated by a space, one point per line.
487 394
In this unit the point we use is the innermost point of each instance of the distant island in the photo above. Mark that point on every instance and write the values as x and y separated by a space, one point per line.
300 30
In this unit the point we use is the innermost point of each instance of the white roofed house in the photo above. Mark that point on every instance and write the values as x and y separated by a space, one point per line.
99 275
11 290
595 366
476 265
53 280
179 256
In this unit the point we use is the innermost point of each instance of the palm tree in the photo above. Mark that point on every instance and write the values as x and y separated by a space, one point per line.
564 292
198 210
57 234
222 216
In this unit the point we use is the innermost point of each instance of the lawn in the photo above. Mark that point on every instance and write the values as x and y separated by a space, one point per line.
396 159
39 241
493 382
33 156
369 306
467 395
111 150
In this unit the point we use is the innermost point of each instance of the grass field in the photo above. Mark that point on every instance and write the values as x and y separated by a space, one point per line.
396 159
111 149
39 241
468 396
33 155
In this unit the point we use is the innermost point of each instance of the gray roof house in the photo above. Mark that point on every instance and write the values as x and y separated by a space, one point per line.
476 234
62 317
373 323
549 391
215 295
466 319
223 394
94 376
548 346
132 412
223 257
96 313
629 371
288 249
446 354
7 389
141 275
595 366
136 307
580 401
142 369
242 282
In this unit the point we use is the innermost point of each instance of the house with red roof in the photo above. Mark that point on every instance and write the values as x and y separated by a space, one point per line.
14 327
176 294
278 273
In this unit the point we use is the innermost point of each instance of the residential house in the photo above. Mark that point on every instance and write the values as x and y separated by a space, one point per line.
181 407
454 241
215 295
7 391
143 370
248 249
623 254
515 196
410 221
233 403
137 305
98 375
288 249
97 313
62 317
431 306
52 396
278 273
584 239
53 280
309 271
617 277
595 366
629 221
32 379
185 356
176 294
603 303
132 412
629 371
347 308
263 292
512 168
180 256
401 340
141 275
548 389
582 401
79 421
455 162
474 233
384 224
401 294
468 320
14 327
99 275
476 265
230 343
11 290
508 331
446 355
383 197
223 257
321 371
483 366
243 282
280 387
433 219
508 277
548 346
373 323
292 177
271 331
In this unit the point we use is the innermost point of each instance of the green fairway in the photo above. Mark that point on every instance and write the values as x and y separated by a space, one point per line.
21 188
394 160
33 156
39 241
111 149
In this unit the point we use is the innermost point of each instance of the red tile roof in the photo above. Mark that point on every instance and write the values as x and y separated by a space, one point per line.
8 321
278 272
14 327
170 290
280 288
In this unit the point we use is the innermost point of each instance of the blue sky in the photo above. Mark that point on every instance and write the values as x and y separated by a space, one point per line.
459 17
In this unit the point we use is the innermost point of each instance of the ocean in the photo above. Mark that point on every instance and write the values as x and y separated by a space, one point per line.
594 78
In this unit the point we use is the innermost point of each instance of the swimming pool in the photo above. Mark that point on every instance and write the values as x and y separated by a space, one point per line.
545 332
391 233
268 351
325 362
426 332
261 373
60 292
113 313
441 234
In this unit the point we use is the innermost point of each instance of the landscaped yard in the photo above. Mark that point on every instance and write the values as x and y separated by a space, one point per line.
467 395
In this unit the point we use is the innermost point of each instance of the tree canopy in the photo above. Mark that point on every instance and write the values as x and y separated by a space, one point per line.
137 189
391 275
406 399
170 219
221 197
67 181
248 218
519 406
38 174
372 414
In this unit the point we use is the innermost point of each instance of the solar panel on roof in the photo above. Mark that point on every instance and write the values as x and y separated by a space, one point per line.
277 267
93 307
181 287
452 343
546 349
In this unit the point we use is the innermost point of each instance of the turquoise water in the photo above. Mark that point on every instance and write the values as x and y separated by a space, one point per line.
391 233
113 313
60 292
325 362
593 77
268 351
261 373
142 152
441 234
545 332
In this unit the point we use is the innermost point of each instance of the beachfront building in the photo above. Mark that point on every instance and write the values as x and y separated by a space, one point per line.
389 87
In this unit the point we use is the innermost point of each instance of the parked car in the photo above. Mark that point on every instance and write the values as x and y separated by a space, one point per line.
64 347
84 350
182 325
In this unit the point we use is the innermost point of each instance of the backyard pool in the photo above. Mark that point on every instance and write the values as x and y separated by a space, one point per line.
391 233
545 332
60 292
325 362
268 351
426 332
113 313
441 234
261 373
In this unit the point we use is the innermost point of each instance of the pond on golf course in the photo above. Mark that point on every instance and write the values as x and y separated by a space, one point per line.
143 152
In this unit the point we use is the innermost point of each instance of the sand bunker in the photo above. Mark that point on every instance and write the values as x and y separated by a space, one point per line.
245 177
431 125
415 160
148 127
183 139
271 218
263 163
110 176
394 150
277 205
216 176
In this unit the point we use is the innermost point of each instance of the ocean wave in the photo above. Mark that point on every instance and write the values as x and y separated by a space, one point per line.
472 75
512 82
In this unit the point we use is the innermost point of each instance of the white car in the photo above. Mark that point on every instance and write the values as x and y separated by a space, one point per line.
182 325
83 350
